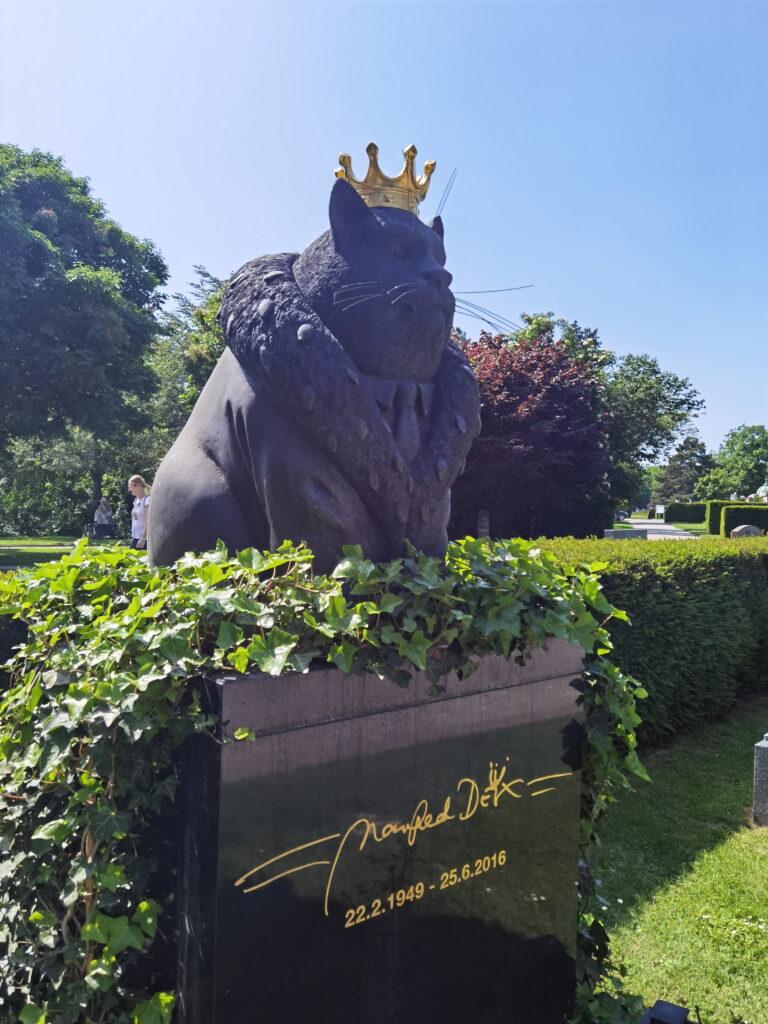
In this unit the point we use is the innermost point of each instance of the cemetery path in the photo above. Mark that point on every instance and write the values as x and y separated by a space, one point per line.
658 530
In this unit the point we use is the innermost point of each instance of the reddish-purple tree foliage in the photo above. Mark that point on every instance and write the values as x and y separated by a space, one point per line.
539 464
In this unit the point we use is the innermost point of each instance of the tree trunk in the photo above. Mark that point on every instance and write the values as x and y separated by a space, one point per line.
96 478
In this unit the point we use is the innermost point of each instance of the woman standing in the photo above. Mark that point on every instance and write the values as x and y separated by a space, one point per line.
139 488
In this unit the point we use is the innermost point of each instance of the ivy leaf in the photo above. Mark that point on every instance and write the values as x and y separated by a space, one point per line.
229 635
145 916
32 1014
157 1010
342 655
55 830
415 647
238 659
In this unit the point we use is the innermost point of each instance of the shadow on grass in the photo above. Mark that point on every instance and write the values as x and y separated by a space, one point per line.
700 794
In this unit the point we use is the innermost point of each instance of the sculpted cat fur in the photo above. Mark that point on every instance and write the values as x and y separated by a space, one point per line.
341 411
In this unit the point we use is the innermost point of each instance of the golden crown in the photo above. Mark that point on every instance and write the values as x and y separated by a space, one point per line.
403 193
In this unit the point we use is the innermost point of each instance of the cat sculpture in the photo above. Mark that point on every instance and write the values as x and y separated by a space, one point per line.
340 412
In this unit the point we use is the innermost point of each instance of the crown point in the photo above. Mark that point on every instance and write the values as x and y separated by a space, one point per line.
377 189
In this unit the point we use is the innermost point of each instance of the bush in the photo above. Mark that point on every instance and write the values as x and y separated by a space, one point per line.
699 614
539 465
714 513
740 515
100 704
685 512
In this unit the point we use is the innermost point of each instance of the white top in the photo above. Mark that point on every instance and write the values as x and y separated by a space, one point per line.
139 517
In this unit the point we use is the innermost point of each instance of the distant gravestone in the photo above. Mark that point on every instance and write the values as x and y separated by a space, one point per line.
760 800
747 531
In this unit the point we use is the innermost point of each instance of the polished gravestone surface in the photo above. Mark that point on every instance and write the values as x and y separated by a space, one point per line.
380 855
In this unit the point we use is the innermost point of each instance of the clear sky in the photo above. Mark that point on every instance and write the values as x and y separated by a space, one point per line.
613 154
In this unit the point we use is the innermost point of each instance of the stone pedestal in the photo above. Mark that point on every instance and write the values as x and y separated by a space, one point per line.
380 855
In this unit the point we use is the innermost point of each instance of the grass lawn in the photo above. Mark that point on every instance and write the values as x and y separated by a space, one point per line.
698 528
35 542
29 550
687 875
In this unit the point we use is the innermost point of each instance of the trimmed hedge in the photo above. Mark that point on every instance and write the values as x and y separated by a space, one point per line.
714 513
699 614
685 512
737 515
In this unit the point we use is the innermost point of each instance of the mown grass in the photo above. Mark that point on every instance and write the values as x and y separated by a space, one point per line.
30 550
698 528
37 542
687 875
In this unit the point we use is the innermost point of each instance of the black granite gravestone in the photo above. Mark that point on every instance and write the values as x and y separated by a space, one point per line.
378 855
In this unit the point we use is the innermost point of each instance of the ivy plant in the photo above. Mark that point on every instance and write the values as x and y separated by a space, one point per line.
101 698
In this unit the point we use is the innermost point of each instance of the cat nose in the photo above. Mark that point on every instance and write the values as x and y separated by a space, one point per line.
439 277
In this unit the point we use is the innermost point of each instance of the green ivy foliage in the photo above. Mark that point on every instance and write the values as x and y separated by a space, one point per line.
100 701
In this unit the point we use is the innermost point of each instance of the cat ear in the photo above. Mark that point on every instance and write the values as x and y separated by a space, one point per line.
348 214
437 226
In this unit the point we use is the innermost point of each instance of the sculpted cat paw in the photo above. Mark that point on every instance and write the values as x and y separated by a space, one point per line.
340 413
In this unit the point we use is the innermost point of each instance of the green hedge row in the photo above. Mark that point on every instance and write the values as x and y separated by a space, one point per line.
685 512
699 614
737 515
713 518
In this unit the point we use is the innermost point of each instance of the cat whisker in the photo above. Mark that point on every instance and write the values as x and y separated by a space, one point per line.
357 286
355 302
404 295
338 300
497 328
468 307
405 287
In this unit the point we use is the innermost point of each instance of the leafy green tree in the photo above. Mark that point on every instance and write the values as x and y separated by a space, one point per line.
677 480
649 409
77 302
740 464
581 343
52 486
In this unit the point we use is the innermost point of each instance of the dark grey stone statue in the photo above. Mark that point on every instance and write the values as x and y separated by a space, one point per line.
340 413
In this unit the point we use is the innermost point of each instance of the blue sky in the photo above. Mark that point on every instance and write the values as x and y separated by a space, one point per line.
612 154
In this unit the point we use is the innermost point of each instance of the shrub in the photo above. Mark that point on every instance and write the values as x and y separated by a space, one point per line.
699 614
740 515
685 512
539 465
714 513
100 704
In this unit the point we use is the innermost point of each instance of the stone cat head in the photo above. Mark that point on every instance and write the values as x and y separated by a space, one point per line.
378 281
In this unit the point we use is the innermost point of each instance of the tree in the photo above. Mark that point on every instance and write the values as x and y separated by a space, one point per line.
77 302
539 464
740 464
649 408
678 478
52 485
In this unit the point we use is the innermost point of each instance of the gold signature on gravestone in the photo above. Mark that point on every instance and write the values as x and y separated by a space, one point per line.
470 797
